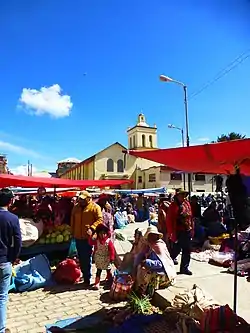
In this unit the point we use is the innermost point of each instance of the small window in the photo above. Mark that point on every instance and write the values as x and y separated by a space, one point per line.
200 178
110 165
130 143
150 141
152 177
176 176
134 142
140 179
143 140
120 167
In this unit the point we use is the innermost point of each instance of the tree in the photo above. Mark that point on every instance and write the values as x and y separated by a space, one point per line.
229 137
225 137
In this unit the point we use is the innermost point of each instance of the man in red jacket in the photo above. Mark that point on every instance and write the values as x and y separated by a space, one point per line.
180 229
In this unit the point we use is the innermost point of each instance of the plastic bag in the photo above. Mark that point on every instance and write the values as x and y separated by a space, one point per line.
31 231
72 249
67 272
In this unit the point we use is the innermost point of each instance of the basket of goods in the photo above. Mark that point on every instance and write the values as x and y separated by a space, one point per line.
121 286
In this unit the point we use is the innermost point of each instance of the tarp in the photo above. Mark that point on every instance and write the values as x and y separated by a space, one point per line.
145 190
214 158
33 190
25 181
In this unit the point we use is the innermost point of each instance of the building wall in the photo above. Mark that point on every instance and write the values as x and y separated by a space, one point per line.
197 186
155 177
81 171
63 167
114 153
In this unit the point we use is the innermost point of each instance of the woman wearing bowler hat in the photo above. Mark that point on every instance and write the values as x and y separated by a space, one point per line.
180 229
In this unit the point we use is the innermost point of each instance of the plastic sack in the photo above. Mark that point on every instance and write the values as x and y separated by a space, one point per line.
32 274
72 249
67 272
121 220
30 231
222 257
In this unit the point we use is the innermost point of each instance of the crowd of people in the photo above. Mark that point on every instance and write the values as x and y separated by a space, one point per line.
174 223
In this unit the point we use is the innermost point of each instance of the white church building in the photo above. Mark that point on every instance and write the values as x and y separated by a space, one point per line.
112 163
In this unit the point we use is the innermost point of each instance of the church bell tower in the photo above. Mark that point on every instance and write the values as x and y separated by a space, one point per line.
142 136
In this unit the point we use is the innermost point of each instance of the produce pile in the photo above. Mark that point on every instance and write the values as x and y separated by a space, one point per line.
56 234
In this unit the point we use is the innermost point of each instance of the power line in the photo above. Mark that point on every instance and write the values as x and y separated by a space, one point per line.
232 65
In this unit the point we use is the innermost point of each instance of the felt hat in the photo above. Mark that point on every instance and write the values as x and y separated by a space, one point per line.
84 195
181 191
152 230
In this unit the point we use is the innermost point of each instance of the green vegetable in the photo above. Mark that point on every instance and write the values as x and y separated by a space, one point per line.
139 305
119 237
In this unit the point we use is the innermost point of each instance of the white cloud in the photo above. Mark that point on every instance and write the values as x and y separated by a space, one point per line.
22 170
203 139
9 147
47 100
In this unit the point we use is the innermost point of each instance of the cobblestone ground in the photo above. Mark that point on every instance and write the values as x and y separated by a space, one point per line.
31 311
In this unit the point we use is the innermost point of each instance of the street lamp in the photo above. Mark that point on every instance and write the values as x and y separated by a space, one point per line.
168 79
179 129
183 145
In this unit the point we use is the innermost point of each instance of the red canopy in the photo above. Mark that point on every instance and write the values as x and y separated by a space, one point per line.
24 181
214 158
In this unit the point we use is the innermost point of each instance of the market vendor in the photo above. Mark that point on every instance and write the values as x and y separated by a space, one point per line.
154 267
85 217
20 206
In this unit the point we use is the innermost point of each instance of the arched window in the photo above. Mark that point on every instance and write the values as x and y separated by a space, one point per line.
120 166
143 140
150 141
110 165
130 143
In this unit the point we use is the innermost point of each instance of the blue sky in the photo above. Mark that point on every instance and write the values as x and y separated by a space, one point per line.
101 61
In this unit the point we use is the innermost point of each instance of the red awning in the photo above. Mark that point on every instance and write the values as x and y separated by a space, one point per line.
214 158
24 181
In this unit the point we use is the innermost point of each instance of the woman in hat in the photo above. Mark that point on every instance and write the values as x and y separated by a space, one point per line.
154 266
104 253
180 229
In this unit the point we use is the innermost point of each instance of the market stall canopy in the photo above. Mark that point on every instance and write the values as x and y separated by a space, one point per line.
214 158
145 191
25 181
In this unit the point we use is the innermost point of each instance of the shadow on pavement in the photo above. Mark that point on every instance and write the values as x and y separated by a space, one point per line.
57 289
105 298
96 322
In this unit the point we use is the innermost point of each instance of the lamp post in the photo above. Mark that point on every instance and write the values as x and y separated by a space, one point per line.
183 145
165 78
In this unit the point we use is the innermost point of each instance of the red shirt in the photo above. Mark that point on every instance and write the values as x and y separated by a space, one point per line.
179 218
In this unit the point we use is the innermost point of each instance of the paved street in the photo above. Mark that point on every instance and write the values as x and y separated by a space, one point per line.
30 312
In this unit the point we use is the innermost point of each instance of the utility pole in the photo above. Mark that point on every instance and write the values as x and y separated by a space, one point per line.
28 166
31 169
